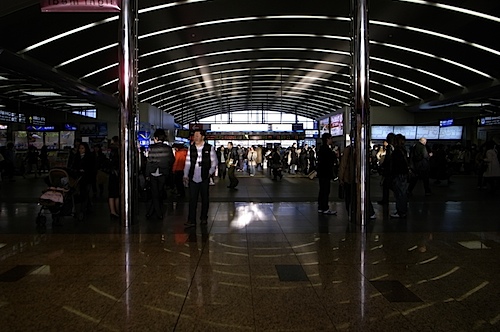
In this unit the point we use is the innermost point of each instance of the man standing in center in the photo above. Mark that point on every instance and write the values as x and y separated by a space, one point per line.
201 162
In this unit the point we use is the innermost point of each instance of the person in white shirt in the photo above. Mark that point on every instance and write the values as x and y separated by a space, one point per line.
201 162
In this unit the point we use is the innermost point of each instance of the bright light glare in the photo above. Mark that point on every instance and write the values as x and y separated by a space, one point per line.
244 215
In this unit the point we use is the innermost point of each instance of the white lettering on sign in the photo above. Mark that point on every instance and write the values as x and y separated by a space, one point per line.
80 5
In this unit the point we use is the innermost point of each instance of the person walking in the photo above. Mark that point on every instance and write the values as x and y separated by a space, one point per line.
178 168
113 171
419 161
83 167
222 158
201 162
232 161
492 172
326 162
44 159
385 169
252 160
398 173
276 164
258 159
158 169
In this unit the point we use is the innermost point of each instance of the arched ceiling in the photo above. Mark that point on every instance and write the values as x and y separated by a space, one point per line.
204 57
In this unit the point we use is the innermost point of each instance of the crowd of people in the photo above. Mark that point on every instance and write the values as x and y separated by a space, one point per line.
193 168
402 167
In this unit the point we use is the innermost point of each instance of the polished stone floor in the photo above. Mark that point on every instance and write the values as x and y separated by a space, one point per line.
266 261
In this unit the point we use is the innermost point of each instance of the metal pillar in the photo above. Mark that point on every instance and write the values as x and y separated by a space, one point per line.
127 93
360 113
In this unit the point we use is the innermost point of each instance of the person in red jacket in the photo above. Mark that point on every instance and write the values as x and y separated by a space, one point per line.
180 160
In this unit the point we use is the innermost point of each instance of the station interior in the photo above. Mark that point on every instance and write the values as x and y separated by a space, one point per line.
267 74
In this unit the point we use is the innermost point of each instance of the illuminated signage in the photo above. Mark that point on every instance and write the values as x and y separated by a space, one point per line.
80 5
8 116
254 136
40 128
324 126
70 126
337 124
144 138
489 121
446 123
36 120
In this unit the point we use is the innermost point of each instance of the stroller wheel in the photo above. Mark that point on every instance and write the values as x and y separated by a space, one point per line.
41 220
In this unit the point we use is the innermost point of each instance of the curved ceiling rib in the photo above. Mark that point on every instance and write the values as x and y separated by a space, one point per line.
203 57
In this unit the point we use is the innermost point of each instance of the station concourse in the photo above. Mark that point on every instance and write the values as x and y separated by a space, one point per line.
266 261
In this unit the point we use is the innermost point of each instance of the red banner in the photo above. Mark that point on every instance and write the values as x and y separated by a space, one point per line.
80 5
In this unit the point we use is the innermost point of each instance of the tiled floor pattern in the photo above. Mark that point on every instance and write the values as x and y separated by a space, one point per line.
256 266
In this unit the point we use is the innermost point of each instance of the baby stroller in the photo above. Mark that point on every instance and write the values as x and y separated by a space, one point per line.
58 198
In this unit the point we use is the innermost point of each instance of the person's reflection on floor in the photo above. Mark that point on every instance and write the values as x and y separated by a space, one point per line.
346 181
200 291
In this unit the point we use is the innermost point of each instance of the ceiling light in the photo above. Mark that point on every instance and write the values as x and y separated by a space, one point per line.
3 78
80 104
474 105
42 93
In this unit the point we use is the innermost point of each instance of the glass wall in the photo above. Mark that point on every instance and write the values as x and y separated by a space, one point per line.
267 117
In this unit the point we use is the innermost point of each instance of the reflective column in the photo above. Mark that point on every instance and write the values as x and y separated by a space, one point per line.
127 91
360 112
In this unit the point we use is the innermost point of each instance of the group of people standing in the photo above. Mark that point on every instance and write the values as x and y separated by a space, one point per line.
193 168
92 169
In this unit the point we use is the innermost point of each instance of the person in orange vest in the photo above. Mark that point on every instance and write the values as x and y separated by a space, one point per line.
180 152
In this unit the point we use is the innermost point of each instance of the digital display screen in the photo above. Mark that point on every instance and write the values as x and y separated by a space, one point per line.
380 132
311 133
20 140
298 127
429 132
337 125
183 133
324 126
67 139
52 140
409 132
453 132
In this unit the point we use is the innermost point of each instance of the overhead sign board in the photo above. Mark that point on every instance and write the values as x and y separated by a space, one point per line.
80 5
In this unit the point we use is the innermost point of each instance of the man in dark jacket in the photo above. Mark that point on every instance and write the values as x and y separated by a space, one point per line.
158 169
398 172
385 169
232 161
420 165
326 161
201 162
